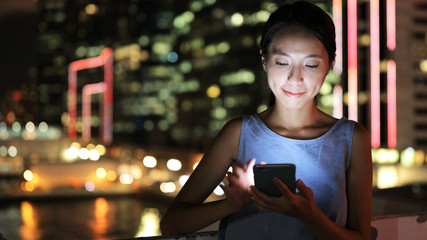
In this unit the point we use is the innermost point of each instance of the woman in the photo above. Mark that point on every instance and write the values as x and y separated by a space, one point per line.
332 156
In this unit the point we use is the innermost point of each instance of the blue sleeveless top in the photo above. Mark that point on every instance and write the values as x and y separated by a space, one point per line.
321 164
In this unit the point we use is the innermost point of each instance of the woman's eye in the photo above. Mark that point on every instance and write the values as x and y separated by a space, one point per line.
281 64
312 65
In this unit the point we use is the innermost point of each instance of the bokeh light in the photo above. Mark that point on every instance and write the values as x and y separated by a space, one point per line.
93 155
111 175
83 153
28 175
12 151
183 179
149 161
174 164
167 187
101 173
126 178
90 186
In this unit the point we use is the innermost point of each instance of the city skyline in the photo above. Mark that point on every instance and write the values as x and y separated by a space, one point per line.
163 72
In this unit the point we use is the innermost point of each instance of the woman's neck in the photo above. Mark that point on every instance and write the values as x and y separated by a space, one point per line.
294 119
297 123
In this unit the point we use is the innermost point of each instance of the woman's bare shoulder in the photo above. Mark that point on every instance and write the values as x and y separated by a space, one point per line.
361 146
360 134
234 124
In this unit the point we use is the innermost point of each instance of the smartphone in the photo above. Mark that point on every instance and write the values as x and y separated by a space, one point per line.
265 173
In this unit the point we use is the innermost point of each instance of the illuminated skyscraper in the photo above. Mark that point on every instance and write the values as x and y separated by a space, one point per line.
411 62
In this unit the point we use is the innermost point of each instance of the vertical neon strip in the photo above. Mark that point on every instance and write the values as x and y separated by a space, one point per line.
337 17
375 73
352 58
391 104
391 24
108 97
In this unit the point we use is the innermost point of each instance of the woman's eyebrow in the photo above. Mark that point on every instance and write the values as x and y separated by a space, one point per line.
278 52
281 53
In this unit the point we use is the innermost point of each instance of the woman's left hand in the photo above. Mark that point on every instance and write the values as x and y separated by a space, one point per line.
239 182
299 205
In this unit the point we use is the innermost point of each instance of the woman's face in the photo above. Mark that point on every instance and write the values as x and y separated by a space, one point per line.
296 66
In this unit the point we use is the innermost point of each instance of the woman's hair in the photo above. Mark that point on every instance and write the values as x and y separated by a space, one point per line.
305 15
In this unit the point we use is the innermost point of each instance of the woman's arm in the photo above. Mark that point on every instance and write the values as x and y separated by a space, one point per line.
359 195
359 183
187 213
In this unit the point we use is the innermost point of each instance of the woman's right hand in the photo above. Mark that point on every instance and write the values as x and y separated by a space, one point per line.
239 182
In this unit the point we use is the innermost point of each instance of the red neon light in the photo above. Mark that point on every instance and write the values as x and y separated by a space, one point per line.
87 92
391 24
352 59
375 74
391 104
104 59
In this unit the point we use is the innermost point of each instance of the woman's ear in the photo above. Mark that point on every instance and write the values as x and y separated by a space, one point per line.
263 61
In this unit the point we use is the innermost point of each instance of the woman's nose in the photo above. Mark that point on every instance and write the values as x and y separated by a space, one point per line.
295 75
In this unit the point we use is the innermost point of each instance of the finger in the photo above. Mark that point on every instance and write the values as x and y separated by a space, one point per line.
250 164
283 188
263 163
258 194
263 201
303 189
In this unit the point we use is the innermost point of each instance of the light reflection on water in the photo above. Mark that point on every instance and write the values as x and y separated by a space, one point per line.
28 229
97 219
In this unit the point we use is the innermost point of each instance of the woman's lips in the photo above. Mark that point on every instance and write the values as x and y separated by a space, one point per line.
293 94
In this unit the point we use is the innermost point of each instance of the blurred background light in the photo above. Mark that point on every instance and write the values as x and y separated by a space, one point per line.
91 9
407 157
174 164
72 152
90 186
237 19
213 91
136 172
183 179
149 161
83 153
111 175
43 127
386 176
126 178
167 187
101 149
16 127
28 175
93 155
101 173
12 151
195 165
218 191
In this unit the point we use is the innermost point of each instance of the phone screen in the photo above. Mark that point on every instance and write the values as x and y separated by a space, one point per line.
264 175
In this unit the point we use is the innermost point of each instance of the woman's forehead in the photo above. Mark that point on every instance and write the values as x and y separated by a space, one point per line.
294 40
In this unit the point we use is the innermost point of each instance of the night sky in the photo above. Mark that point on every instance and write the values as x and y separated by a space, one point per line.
17 42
